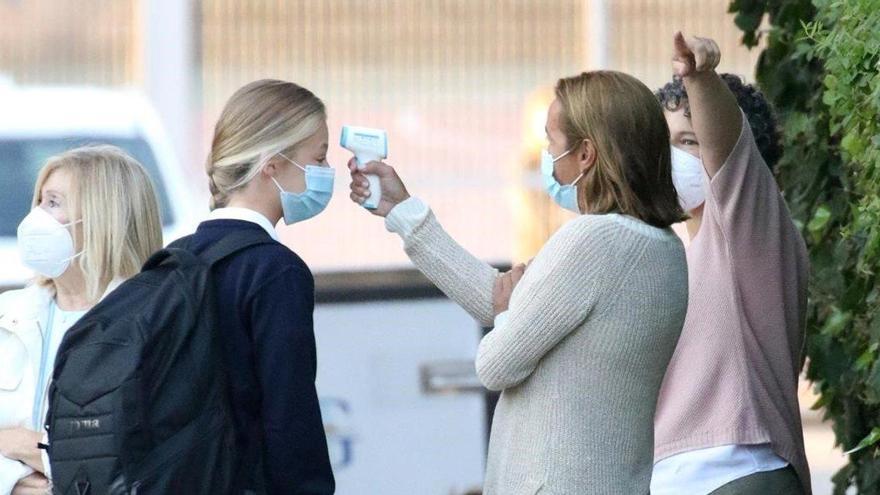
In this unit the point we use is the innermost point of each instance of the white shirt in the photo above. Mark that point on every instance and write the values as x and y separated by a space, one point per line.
246 214
27 334
702 471
60 323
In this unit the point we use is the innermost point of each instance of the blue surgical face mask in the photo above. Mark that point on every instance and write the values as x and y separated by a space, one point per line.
305 205
564 195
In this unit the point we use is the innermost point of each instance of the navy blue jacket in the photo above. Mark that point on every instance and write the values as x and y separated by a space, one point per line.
265 296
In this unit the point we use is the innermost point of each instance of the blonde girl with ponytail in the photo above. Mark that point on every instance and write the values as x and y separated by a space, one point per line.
268 162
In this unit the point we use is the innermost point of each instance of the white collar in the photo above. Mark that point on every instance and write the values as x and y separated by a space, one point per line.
246 214
35 300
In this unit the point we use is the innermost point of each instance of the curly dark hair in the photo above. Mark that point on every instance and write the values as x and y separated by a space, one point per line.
762 118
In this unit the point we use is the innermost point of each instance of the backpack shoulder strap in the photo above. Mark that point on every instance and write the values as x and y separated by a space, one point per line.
182 243
225 247
231 244
163 254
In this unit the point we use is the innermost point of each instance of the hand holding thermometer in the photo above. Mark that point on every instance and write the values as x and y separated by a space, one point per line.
367 145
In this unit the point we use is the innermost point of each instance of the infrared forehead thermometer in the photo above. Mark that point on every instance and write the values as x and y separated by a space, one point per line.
367 145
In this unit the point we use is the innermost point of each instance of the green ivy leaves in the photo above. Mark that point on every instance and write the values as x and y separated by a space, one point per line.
821 70
869 440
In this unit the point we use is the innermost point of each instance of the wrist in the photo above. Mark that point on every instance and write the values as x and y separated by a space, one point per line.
28 446
699 76
406 216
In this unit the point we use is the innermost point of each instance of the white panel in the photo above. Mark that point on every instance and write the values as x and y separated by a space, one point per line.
400 440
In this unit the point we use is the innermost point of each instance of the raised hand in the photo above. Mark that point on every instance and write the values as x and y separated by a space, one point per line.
393 190
504 285
693 55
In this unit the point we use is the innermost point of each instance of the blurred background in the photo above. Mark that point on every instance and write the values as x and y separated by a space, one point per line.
462 88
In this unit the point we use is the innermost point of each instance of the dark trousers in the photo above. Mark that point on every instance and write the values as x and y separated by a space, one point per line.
781 481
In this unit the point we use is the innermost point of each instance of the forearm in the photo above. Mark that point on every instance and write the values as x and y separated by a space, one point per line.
33 458
524 335
294 446
460 275
295 455
715 115
497 367
22 445
553 298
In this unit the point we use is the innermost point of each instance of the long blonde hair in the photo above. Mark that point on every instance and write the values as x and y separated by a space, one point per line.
260 120
113 196
633 169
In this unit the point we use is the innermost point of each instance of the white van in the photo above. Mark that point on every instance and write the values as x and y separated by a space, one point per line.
38 122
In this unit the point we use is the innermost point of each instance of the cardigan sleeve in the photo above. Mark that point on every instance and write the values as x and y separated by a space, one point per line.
556 295
459 274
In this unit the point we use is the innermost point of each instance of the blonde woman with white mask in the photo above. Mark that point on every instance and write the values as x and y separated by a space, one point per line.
94 222
268 162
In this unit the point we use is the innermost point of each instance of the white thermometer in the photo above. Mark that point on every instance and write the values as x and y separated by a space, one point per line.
367 145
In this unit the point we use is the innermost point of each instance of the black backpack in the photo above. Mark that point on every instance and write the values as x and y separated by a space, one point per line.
139 401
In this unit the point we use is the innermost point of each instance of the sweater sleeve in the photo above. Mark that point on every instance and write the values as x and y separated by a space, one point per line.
556 295
459 274
295 447
744 196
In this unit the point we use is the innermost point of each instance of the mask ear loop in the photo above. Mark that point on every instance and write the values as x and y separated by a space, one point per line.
292 161
66 226
75 256
280 189
579 177
563 155
277 184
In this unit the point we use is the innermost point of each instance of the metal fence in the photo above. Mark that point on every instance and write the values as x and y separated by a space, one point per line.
461 86
70 42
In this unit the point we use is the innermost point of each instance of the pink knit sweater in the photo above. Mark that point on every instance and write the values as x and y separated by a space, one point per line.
734 375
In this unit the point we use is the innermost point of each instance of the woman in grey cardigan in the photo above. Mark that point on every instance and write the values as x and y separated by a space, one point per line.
581 352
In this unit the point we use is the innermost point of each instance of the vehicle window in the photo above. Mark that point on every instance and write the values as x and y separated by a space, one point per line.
22 158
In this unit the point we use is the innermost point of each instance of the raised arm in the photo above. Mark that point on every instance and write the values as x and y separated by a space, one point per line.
715 115
461 276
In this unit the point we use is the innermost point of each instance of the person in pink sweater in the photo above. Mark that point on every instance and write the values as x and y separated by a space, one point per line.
728 420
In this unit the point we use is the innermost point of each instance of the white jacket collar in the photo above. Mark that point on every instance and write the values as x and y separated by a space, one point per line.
33 301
